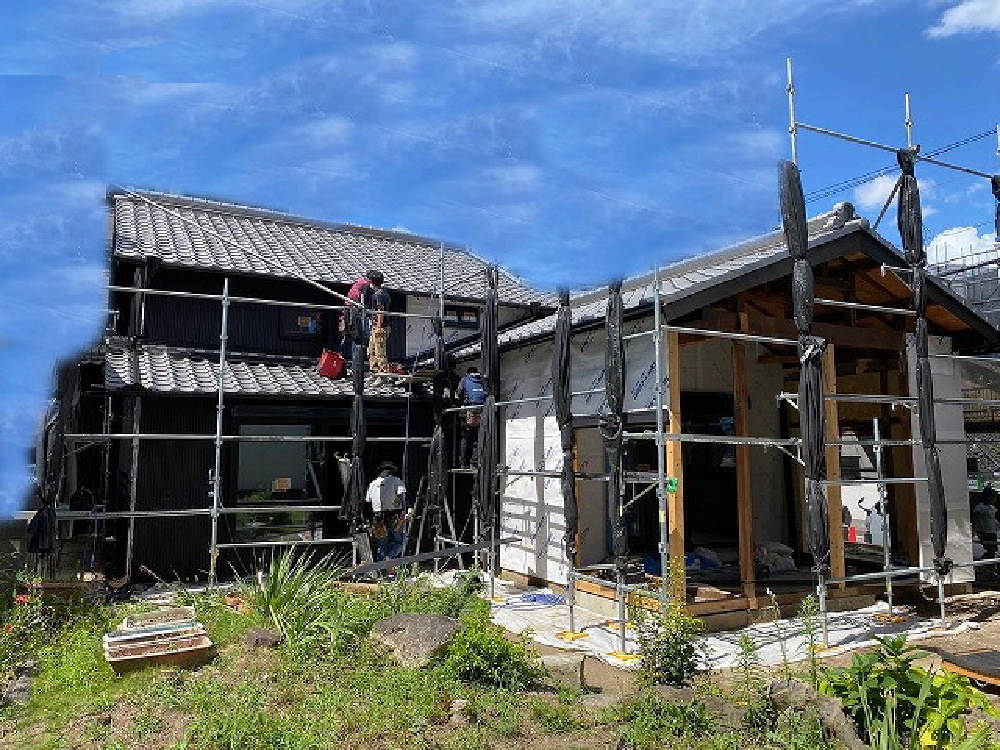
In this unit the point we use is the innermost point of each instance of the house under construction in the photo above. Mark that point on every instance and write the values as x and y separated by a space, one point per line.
188 479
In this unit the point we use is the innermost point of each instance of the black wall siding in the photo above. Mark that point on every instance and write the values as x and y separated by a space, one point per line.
174 475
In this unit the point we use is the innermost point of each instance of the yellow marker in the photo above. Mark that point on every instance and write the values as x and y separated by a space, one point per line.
889 618
571 635
624 655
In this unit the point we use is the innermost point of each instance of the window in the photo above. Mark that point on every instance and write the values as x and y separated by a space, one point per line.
302 323
461 317
273 470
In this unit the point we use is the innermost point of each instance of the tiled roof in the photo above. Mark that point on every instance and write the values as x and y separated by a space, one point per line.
162 370
686 277
180 232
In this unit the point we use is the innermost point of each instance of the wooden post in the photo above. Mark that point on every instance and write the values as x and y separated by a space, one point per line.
832 434
675 463
744 480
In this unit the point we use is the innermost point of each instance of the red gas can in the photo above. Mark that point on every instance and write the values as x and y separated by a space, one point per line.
331 364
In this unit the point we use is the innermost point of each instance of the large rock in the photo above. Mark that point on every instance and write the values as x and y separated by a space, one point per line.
415 639
564 670
263 638
801 696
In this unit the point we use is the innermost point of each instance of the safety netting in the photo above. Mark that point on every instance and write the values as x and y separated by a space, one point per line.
611 420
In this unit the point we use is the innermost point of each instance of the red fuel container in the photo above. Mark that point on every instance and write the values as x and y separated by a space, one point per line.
331 364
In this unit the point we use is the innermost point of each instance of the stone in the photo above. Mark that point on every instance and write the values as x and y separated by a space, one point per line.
801 696
263 638
457 715
599 701
415 639
730 715
977 716
564 670
18 691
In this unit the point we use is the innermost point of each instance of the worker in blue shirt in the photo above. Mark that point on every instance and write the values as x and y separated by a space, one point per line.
471 392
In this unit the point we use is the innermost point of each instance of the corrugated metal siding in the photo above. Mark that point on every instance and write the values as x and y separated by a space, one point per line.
183 322
174 474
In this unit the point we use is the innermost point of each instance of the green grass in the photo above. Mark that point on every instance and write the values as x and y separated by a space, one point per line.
323 689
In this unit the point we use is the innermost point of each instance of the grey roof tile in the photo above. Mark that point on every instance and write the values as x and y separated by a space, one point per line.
163 370
180 231
685 277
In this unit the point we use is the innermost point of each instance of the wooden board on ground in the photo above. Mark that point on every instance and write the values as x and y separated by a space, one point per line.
983 666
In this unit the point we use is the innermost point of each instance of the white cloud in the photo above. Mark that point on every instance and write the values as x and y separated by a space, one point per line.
675 30
968 16
957 242
872 195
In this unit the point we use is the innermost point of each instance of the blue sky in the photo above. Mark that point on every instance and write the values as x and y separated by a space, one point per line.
569 141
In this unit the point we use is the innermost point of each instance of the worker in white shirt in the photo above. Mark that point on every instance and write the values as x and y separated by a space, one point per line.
387 497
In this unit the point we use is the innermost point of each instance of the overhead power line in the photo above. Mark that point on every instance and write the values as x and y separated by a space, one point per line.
838 187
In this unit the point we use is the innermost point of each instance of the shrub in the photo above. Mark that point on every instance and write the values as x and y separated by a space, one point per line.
897 704
481 653
668 639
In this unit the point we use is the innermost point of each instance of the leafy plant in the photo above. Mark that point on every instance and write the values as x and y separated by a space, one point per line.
481 653
879 683
668 640
949 697
899 705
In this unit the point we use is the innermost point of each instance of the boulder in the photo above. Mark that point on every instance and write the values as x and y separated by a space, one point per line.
801 696
415 639
564 670
263 638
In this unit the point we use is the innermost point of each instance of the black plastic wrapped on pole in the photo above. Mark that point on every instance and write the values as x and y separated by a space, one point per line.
488 447
911 231
354 489
611 419
486 474
437 469
812 416
564 418
995 183
488 329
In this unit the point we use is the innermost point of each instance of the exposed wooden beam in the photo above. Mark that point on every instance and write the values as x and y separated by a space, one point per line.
845 336
675 464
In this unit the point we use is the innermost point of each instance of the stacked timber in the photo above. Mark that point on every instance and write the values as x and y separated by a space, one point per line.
170 637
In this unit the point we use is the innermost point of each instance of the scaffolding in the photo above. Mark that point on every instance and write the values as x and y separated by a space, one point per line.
907 157
217 508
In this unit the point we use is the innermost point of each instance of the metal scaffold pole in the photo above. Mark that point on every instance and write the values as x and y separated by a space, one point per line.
661 480
883 509
219 410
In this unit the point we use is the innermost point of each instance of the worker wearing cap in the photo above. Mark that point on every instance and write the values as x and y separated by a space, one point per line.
387 497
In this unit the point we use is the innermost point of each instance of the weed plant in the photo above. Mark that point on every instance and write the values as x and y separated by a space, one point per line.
668 640
652 722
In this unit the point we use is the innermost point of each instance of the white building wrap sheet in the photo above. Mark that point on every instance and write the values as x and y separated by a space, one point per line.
950 422
532 507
